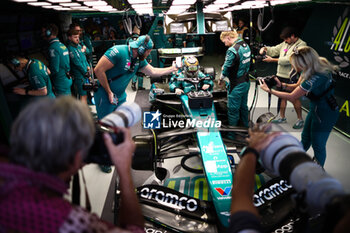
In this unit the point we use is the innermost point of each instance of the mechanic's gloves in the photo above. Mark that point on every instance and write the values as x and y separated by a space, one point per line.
178 91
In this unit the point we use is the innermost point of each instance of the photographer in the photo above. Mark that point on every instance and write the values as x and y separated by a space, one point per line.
283 51
316 83
244 215
319 189
49 142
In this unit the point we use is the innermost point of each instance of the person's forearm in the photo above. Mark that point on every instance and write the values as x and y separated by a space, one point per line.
102 77
282 95
130 210
243 185
157 72
289 87
39 92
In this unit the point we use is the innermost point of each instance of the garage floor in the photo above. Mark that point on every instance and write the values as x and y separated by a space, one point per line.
337 163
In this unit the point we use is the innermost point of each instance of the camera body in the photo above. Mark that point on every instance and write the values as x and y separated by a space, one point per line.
90 86
260 57
126 115
98 152
269 80
285 157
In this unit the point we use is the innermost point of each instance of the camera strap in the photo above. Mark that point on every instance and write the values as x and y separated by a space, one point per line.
76 191
314 97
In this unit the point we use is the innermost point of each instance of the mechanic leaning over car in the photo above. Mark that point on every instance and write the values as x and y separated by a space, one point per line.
235 69
38 76
116 68
190 69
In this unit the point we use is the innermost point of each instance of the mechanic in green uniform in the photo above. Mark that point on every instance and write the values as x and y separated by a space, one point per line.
190 69
316 83
79 65
159 39
85 41
115 69
193 41
169 43
138 77
180 41
235 68
38 75
59 61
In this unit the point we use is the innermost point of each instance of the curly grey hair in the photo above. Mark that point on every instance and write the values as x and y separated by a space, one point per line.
48 133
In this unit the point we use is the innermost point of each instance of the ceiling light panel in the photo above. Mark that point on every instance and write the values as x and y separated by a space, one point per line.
180 7
59 1
137 6
139 1
183 2
278 2
62 9
70 4
49 7
39 3
95 3
25 0
225 1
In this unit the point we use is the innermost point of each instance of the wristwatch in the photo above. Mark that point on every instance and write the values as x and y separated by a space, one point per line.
248 149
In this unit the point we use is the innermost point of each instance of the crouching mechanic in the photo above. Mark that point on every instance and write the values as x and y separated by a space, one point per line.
79 65
38 76
235 68
190 69
116 68
44 156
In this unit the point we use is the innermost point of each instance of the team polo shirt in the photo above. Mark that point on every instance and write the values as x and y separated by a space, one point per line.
38 76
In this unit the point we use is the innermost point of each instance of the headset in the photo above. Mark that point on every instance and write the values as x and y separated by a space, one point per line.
142 48
15 62
48 31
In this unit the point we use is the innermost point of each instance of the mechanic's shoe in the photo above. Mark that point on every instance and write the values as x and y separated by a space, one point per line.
299 124
133 86
105 168
279 120
141 88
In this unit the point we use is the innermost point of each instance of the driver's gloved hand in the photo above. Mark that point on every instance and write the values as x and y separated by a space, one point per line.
205 87
178 91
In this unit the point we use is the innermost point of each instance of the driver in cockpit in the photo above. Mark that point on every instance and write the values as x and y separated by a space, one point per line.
190 69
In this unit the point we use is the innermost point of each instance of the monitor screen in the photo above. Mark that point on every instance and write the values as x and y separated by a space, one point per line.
177 28
220 26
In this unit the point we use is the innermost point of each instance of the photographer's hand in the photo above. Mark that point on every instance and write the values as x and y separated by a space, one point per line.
121 156
263 50
269 59
278 82
259 139
263 85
